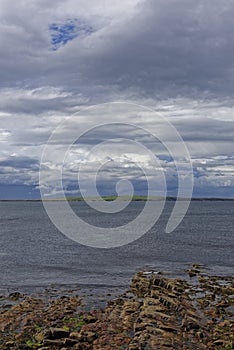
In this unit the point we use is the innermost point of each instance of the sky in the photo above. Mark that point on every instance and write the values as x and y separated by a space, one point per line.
171 61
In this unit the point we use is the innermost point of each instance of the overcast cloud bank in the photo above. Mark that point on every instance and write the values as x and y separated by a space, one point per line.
175 56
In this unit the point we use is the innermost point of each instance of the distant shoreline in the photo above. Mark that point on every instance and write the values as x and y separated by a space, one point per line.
112 198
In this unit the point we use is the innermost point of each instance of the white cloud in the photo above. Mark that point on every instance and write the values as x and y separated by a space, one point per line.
4 134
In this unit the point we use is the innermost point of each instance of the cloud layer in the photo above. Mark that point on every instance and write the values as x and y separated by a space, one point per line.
176 57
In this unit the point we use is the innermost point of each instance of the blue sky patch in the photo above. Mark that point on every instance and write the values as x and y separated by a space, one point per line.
62 33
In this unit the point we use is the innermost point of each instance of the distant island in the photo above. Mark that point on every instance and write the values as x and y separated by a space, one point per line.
123 198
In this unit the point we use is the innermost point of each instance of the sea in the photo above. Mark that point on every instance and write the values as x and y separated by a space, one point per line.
35 255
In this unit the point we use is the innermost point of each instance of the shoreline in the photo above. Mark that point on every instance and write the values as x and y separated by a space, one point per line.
123 198
156 312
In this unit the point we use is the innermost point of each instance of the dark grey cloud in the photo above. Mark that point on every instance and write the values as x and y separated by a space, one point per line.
21 163
173 47
206 130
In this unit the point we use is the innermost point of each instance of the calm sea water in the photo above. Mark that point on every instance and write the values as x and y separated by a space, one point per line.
35 254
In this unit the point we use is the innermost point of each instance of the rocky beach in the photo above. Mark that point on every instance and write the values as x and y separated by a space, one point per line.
156 312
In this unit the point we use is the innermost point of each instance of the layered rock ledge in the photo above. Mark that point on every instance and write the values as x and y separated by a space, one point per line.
156 313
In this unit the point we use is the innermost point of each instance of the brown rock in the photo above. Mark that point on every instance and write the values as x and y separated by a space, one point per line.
15 296
151 301
90 336
75 335
89 319
56 342
169 328
144 325
140 284
130 307
69 342
218 342
148 312
192 273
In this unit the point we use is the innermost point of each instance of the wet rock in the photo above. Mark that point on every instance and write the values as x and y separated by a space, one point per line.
15 296
218 342
10 344
54 342
192 273
89 336
69 342
58 333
